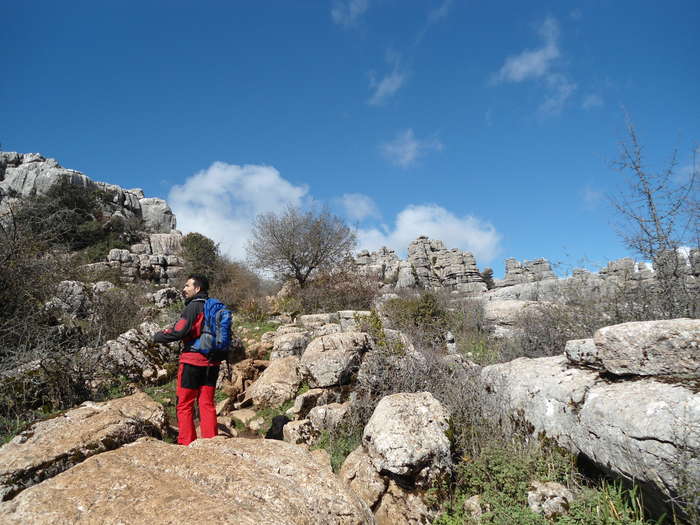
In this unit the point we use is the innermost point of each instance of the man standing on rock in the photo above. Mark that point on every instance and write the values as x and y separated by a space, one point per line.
196 375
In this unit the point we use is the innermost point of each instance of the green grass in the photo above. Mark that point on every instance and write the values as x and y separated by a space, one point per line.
339 445
502 476
165 395
253 328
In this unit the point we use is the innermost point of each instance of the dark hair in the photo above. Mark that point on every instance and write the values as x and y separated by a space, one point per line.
200 281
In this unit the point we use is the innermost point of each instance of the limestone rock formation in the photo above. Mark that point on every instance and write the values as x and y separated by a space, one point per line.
358 473
330 360
52 446
134 356
237 481
525 272
644 430
651 348
289 344
406 436
276 385
25 174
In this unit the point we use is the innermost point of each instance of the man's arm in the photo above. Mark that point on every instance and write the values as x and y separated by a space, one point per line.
181 328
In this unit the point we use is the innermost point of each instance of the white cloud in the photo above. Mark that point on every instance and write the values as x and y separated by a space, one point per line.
389 84
346 12
559 89
592 101
533 63
437 14
591 197
466 233
405 149
358 206
222 201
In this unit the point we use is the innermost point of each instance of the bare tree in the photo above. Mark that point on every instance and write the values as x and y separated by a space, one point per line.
660 216
294 244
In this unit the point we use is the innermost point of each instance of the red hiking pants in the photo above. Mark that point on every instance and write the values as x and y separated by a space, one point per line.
194 383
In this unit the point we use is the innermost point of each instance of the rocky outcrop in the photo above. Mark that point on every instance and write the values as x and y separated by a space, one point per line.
651 348
430 265
645 430
26 174
52 446
276 385
289 344
134 355
407 436
331 360
237 481
525 272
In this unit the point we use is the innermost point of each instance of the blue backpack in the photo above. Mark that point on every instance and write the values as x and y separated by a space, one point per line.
215 340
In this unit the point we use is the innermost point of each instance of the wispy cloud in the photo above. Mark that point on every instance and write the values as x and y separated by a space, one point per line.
591 197
390 82
592 101
358 206
464 232
440 12
222 201
559 90
533 63
347 12
405 149
539 65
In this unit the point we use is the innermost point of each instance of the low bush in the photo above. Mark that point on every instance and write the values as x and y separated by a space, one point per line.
341 289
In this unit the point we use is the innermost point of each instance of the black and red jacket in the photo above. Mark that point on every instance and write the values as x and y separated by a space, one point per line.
188 329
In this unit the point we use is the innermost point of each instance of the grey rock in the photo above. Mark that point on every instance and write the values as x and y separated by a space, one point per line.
550 499
640 430
328 417
157 215
406 435
276 385
317 320
330 360
289 344
582 352
304 403
651 348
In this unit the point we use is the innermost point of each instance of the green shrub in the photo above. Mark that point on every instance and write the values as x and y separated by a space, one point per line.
339 444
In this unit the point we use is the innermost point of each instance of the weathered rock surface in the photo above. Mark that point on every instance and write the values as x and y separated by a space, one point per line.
71 298
406 436
52 446
134 356
317 320
504 315
525 272
304 403
651 348
582 352
642 430
550 499
276 385
328 417
26 174
358 473
237 481
330 360
299 432
289 344
402 507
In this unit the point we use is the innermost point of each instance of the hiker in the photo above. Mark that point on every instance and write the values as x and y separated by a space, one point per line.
196 375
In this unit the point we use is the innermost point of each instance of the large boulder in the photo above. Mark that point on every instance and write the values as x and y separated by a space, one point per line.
57 444
644 430
407 436
237 481
276 385
71 298
317 320
332 359
157 215
651 348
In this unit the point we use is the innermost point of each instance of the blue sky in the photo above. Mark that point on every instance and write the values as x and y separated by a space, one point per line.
489 126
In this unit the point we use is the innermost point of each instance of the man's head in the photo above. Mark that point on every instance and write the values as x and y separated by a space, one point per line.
195 284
